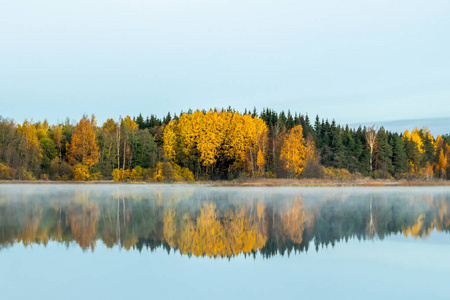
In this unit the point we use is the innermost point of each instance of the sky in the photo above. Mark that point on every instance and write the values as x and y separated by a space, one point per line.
352 61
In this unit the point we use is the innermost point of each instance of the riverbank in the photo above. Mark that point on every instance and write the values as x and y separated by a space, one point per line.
259 182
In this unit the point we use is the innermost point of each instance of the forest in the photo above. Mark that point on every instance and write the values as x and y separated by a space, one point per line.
217 145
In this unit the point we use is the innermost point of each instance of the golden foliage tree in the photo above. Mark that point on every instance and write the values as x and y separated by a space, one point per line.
58 138
81 172
441 165
260 161
293 151
83 147
417 137
30 150
203 139
311 151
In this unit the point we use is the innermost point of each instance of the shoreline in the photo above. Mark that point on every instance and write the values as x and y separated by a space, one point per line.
258 182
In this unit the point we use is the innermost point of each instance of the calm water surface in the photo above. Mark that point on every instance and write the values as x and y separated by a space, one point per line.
193 241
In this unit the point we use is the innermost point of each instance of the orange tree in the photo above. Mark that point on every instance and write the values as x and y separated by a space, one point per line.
83 147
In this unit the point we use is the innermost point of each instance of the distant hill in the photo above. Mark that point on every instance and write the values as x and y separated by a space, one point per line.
436 125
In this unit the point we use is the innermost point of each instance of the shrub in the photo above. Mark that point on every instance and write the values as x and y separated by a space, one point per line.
26 175
186 174
164 171
127 175
338 174
121 175
269 174
60 170
6 172
313 169
137 173
167 171
81 172
96 176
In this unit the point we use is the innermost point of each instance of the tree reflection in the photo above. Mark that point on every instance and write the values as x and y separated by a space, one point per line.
216 224
83 222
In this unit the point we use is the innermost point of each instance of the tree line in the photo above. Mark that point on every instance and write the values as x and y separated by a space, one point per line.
217 144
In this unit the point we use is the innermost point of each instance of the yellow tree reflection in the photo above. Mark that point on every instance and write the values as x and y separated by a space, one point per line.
293 221
83 223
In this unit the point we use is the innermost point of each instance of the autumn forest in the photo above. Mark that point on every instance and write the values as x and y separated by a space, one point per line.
217 144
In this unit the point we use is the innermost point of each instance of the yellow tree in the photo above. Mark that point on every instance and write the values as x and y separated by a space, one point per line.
235 142
311 152
207 139
189 131
30 151
415 137
42 129
29 133
170 141
256 138
260 161
210 139
293 151
244 137
83 147
58 138
441 165
441 158
447 155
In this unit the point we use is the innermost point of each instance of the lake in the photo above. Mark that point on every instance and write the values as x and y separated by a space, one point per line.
111 241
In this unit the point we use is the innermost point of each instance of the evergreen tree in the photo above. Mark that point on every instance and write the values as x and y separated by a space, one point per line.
412 154
383 154
140 121
337 150
427 147
317 132
399 160
351 153
167 119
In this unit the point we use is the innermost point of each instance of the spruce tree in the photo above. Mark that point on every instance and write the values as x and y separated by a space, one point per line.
399 160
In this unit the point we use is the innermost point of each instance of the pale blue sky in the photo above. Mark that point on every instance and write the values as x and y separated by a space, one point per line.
355 61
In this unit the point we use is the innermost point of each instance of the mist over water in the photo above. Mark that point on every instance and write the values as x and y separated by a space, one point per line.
189 240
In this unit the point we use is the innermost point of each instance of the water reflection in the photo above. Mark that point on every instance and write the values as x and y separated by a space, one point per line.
214 222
